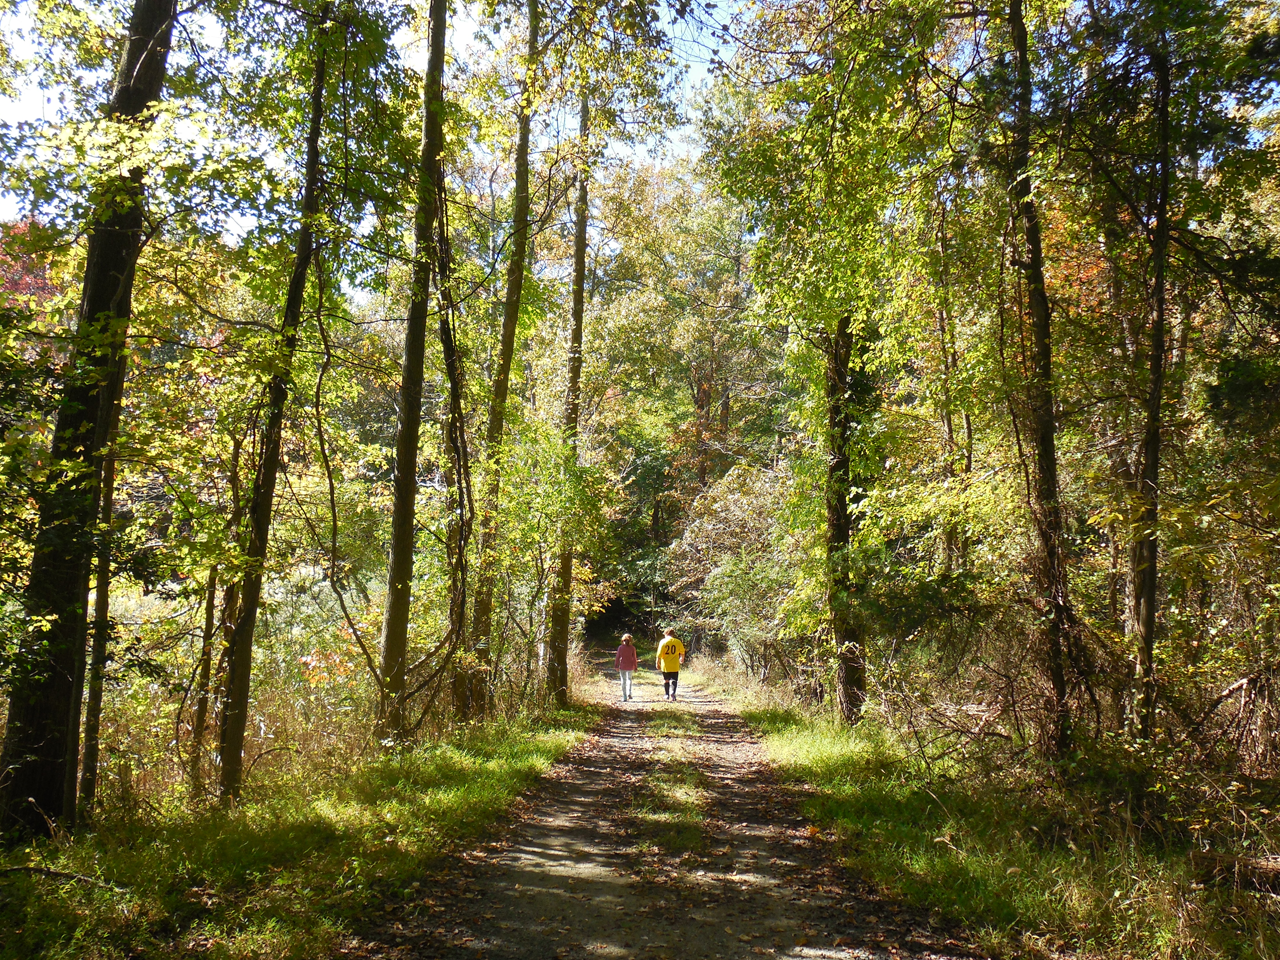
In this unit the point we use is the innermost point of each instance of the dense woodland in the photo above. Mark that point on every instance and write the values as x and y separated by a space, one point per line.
363 362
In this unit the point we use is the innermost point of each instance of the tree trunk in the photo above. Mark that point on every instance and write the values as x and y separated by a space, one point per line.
203 681
702 411
482 614
101 617
1046 509
40 738
846 636
458 473
235 711
1146 535
395 622
950 537
562 595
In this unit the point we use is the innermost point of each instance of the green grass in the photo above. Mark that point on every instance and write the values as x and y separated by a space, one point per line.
669 722
1003 857
283 876
669 806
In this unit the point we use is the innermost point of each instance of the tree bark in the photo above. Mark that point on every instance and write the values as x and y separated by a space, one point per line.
846 636
482 613
562 595
1146 550
395 622
101 616
42 735
458 473
203 680
235 712
1046 508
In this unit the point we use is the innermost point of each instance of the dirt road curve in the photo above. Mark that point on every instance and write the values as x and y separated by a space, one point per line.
664 835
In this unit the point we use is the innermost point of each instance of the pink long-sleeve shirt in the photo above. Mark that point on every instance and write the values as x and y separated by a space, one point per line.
625 658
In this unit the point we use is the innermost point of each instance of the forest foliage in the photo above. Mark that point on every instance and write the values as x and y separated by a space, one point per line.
922 361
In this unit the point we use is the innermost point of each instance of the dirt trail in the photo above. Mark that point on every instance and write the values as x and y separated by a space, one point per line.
663 835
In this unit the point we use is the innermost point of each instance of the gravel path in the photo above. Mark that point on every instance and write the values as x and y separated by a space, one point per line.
662 835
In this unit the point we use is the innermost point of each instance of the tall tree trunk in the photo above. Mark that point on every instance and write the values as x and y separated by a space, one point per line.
204 678
1146 535
950 538
482 615
1047 510
702 416
101 615
562 591
458 473
42 735
395 622
235 711
846 635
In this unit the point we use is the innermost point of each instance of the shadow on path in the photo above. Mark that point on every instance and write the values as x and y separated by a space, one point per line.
583 874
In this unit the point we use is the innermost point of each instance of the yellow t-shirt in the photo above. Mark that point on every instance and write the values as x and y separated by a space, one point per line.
670 650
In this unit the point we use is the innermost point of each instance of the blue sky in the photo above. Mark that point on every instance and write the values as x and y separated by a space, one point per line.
692 43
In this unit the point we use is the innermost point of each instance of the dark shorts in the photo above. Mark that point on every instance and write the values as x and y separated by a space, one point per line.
669 675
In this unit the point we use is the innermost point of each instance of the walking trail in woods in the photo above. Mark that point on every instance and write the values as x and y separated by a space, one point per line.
664 834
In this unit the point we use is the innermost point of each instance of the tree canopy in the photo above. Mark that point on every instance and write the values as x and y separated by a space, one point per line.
362 363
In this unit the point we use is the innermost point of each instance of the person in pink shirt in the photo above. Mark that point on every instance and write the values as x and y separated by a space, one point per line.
626 663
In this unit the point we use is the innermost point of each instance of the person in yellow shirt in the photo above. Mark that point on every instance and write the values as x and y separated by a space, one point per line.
670 656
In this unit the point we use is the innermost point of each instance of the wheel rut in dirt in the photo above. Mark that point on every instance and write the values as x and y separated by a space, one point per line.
663 835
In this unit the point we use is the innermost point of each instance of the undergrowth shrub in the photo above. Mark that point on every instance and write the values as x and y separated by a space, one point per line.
1029 859
283 875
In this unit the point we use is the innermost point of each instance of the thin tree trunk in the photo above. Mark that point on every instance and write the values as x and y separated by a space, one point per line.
235 711
482 614
704 430
42 734
101 613
950 538
458 473
395 622
562 602
105 433
1146 536
1047 511
97 659
846 637
203 681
